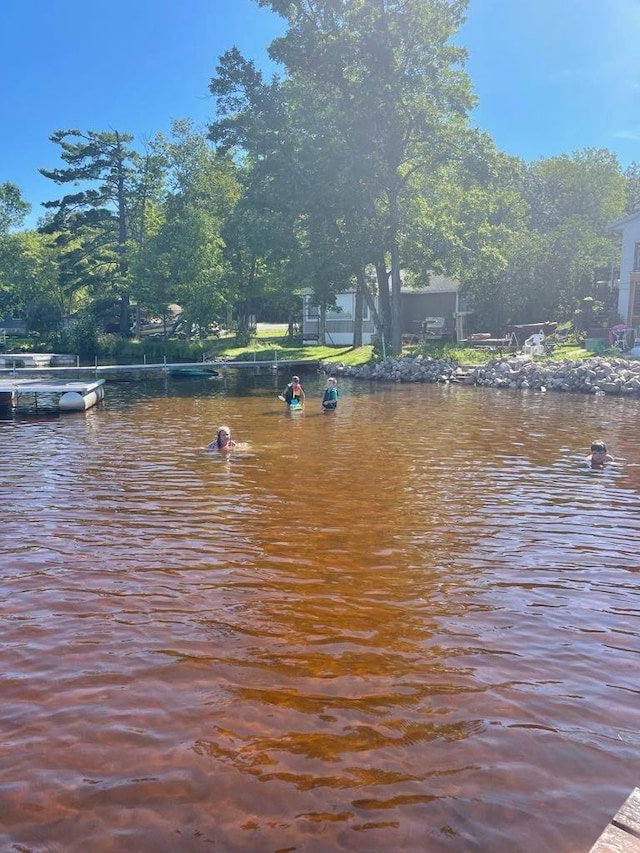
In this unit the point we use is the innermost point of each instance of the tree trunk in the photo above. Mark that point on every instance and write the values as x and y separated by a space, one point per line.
385 300
396 331
322 325
125 331
357 315
369 300
123 267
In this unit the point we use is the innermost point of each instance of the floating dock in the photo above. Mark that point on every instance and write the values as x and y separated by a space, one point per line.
71 396
622 835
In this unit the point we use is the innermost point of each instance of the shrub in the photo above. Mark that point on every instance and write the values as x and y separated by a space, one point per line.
85 340
243 337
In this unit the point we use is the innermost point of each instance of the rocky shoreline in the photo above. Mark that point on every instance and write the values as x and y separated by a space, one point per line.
595 375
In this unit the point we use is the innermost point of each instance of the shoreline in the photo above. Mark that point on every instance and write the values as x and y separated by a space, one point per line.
594 375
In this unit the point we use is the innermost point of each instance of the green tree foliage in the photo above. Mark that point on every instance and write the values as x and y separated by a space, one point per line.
29 280
13 208
91 226
182 260
543 265
464 216
387 82
359 158
572 201
262 237
632 186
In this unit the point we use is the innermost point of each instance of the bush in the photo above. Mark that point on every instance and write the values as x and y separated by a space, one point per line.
85 340
243 337
125 350
376 352
158 348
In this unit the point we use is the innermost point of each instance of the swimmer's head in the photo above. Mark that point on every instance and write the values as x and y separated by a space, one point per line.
598 447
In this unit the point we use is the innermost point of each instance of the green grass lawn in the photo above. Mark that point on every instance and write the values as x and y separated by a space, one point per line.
270 343
470 355
268 349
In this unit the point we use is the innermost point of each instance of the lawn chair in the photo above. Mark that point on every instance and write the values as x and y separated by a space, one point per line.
622 338
534 345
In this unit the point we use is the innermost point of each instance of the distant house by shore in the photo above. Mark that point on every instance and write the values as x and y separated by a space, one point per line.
427 312
629 282
13 326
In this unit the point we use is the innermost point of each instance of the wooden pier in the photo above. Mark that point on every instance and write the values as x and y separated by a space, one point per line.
622 835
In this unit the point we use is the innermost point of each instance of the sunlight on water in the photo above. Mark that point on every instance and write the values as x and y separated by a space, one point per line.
408 625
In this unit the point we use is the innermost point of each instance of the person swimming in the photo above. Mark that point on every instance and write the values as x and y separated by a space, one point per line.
223 440
599 456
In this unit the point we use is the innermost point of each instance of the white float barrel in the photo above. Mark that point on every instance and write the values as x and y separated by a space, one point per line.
74 401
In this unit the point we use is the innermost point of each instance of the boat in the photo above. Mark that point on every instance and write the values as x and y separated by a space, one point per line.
189 371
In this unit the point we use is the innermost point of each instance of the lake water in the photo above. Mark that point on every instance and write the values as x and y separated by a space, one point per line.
410 625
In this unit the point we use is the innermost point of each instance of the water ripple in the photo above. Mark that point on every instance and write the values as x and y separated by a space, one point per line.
412 625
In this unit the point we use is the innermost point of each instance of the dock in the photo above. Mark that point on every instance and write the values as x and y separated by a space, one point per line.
35 359
71 396
164 367
622 835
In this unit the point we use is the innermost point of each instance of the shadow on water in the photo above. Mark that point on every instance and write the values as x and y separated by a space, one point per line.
410 625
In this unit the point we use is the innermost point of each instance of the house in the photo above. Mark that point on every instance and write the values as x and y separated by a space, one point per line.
339 321
432 312
13 326
629 282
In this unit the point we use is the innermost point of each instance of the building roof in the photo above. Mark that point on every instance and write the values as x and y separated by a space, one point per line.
621 223
437 284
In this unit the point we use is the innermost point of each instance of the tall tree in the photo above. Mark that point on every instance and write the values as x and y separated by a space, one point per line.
182 260
467 219
394 81
370 88
91 226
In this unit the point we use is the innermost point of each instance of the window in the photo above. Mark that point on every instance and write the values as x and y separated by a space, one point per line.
338 313
636 257
342 311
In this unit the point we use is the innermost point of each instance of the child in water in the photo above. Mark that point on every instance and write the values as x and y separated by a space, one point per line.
330 395
223 440
599 456
293 395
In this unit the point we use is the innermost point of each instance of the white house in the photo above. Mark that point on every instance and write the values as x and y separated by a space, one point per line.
434 310
339 322
629 284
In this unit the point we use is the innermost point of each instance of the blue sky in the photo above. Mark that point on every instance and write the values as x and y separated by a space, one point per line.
551 76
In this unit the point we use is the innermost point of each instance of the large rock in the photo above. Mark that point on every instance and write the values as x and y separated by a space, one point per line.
595 375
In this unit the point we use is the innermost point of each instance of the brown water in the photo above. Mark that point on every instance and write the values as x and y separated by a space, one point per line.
411 625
